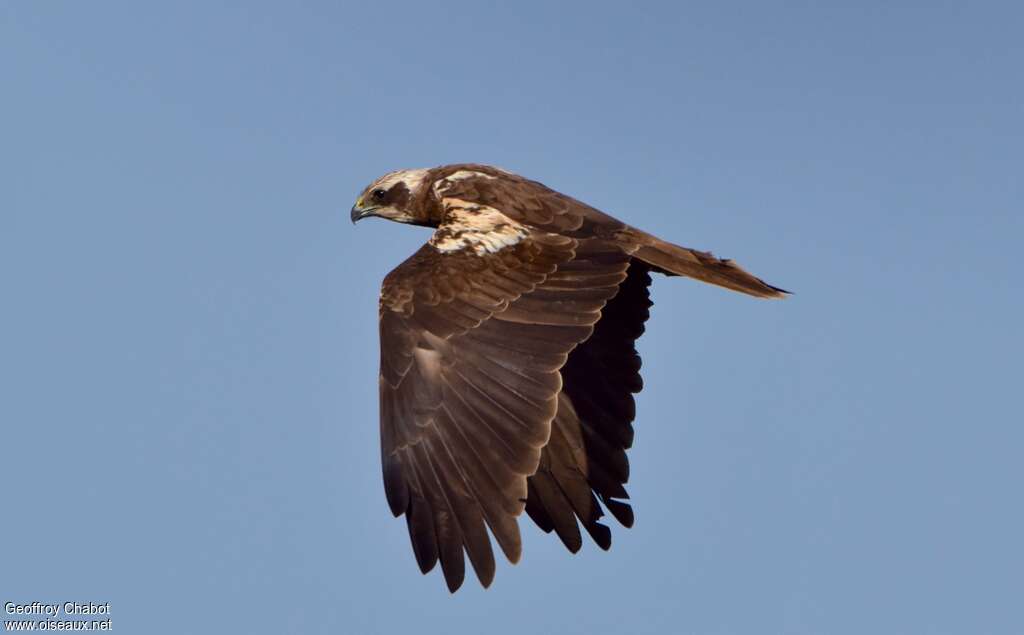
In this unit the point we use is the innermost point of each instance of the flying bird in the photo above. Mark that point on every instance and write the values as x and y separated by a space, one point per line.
508 362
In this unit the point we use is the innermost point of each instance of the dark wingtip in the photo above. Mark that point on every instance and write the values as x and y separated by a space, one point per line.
485 582
573 543
454 573
601 534
453 582
425 564
623 512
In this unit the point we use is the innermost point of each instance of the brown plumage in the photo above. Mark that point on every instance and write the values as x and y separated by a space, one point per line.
508 360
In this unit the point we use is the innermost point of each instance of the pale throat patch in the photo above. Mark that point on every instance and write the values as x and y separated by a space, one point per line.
479 228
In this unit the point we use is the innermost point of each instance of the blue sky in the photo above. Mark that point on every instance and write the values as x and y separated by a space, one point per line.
188 342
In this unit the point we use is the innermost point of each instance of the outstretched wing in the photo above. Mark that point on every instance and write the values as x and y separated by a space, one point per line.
474 329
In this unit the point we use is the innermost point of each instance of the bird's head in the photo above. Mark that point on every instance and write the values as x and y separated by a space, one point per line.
397 196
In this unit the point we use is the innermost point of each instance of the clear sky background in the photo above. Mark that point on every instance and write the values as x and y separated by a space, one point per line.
188 328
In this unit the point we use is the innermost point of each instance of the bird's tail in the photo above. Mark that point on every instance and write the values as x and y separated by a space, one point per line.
701 265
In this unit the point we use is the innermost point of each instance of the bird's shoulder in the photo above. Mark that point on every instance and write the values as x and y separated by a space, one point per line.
493 191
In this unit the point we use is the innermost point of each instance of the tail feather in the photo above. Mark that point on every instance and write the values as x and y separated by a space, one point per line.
701 265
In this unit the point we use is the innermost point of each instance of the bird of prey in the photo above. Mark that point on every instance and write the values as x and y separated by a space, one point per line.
508 362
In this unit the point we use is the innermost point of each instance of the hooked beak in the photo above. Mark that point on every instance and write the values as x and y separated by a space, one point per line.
359 213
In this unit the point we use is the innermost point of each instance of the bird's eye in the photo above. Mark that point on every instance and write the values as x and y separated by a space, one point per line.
378 195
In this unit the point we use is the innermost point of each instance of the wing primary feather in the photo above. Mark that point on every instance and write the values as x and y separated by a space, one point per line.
623 512
419 518
488 491
559 511
465 510
446 525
